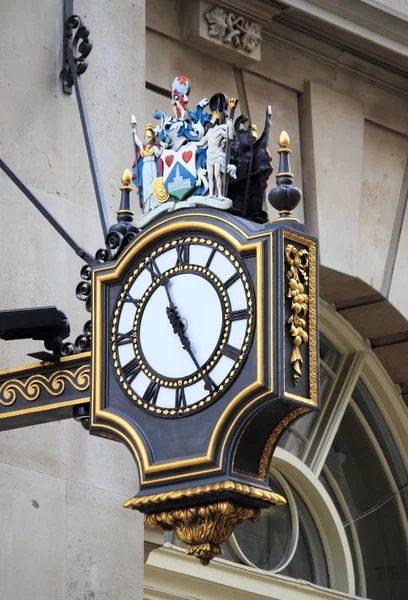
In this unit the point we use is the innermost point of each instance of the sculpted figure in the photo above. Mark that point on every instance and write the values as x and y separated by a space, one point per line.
146 165
216 140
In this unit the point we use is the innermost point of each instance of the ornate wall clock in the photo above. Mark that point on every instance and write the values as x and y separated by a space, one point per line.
204 315
204 351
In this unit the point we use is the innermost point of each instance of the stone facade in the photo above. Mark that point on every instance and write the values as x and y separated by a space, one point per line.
336 80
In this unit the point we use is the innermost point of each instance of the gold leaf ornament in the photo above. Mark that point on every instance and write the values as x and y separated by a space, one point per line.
298 279
204 528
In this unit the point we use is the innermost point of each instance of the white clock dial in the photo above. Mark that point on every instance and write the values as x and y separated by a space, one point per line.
182 326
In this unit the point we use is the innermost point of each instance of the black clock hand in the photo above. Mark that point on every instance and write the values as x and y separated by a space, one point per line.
178 328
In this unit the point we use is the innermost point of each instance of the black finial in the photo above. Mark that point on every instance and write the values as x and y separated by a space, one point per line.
125 213
123 232
284 197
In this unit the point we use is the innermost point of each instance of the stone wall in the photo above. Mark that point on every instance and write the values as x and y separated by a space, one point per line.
64 533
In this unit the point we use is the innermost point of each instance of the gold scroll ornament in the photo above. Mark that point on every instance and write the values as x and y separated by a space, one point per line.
204 528
53 384
298 280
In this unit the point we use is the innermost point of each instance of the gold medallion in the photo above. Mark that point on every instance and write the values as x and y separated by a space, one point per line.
159 191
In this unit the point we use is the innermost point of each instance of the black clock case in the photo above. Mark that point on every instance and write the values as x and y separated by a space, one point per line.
233 438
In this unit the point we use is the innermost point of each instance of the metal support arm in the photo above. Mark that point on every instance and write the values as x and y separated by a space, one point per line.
50 218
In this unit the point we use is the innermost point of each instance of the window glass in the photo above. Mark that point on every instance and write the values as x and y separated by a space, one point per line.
375 420
356 467
309 562
357 574
329 354
294 438
264 544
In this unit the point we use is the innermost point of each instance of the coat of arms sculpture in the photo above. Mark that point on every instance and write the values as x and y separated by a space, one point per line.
201 158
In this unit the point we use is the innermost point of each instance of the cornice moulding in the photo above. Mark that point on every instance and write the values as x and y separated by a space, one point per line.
169 570
255 10
352 16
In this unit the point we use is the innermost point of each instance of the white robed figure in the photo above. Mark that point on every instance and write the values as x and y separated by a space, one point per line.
146 165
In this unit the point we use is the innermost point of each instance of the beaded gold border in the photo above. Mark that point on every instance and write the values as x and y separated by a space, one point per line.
250 301
225 333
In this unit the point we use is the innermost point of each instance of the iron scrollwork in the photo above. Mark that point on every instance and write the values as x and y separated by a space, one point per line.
77 46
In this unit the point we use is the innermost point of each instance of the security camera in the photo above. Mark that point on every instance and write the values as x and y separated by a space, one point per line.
45 323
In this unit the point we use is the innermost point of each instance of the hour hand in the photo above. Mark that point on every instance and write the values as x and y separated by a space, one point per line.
177 324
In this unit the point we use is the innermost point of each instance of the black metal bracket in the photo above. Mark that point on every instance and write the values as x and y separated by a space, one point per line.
77 47
46 213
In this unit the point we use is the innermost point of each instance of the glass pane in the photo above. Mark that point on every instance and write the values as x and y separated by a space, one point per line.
264 543
374 418
323 479
328 353
309 561
294 443
357 469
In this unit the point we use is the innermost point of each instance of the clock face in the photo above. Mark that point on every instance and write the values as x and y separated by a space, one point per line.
182 325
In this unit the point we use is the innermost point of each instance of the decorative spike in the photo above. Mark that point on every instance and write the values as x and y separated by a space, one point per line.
284 197
125 213
126 177
284 140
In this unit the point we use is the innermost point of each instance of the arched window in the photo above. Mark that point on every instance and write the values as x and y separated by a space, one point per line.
343 472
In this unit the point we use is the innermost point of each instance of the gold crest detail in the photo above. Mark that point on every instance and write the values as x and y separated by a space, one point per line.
204 528
298 281
159 191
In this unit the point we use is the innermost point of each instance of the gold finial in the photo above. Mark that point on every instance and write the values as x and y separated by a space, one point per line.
232 102
284 140
254 131
126 177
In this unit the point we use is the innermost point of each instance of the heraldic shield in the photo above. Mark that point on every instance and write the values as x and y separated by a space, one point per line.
180 171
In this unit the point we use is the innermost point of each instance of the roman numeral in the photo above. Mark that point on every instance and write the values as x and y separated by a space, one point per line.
151 393
180 398
131 369
237 315
124 338
212 254
153 269
231 352
129 298
232 279
183 254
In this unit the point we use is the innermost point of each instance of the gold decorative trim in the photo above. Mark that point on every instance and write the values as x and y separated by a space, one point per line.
159 191
120 426
226 331
202 490
47 407
271 441
54 384
37 365
312 303
298 281
204 528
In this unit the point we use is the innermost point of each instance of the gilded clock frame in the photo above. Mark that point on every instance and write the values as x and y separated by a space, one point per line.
113 424
222 292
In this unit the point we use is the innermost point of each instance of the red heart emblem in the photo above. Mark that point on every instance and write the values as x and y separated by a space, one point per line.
169 159
187 155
